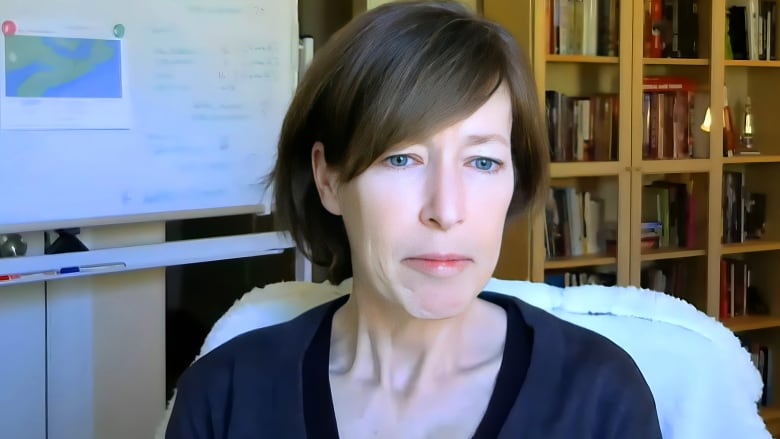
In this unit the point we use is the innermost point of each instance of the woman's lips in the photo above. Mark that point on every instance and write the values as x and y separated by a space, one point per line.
439 265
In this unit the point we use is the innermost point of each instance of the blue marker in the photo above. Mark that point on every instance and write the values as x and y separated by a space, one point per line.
92 268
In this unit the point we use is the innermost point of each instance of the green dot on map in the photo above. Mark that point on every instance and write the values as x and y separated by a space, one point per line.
119 31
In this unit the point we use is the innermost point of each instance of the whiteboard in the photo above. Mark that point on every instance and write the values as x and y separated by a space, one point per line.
116 111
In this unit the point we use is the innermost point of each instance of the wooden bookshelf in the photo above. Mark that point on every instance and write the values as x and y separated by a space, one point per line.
750 63
576 74
676 61
584 169
747 159
579 262
770 414
757 79
675 166
750 247
705 170
661 254
582 59
751 323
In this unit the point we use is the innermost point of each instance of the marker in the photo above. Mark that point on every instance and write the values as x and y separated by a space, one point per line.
42 274
92 268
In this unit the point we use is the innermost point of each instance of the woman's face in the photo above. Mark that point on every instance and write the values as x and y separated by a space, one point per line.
425 221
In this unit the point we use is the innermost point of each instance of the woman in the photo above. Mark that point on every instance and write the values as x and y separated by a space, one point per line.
413 137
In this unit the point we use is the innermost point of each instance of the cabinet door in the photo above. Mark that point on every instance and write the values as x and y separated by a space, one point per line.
23 361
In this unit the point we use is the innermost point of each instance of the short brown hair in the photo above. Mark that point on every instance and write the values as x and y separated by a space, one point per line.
399 73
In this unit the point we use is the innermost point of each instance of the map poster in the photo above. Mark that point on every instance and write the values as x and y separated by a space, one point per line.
66 78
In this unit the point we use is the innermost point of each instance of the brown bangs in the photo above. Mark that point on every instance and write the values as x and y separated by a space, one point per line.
416 83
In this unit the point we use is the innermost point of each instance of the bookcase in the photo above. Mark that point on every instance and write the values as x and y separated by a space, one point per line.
659 174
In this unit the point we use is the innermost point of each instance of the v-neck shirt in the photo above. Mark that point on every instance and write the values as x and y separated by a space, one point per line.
578 383
318 408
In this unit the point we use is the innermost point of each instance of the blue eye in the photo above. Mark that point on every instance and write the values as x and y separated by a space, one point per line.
398 161
485 164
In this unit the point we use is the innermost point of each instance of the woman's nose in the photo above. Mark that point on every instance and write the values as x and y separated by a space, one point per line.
445 202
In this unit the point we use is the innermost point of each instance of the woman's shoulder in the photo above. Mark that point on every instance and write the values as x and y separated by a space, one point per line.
583 370
558 334
267 349
244 383
564 347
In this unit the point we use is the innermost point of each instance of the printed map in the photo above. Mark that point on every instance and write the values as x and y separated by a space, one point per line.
48 67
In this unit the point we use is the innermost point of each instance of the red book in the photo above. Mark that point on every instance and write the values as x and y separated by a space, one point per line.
724 291
656 17
664 84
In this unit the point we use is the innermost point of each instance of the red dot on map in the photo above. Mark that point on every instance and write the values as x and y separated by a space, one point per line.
9 27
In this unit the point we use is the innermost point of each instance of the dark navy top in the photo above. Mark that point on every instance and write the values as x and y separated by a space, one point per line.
557 380
318 409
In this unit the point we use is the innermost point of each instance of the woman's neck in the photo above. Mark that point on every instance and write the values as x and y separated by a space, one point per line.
378 343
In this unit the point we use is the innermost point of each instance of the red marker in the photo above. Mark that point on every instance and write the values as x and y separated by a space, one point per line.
9 28
42 275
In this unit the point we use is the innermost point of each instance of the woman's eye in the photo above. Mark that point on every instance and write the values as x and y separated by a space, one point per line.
398 161
485 164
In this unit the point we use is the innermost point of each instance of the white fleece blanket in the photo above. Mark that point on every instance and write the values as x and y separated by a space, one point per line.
703 381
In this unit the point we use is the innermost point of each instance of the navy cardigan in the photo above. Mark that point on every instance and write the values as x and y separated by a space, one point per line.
578 385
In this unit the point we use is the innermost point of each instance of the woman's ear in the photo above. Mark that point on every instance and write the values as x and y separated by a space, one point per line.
326 179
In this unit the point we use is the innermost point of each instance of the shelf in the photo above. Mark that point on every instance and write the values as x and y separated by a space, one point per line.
582 59
752 246
584 169
675 166
751 323
751 159
579 261
677 61
750 63
770 414
660 254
